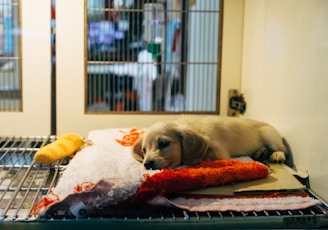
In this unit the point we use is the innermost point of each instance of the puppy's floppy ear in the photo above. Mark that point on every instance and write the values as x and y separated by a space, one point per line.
137 152
194 146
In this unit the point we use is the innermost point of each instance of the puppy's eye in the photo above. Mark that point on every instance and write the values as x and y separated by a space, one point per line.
144 151
163 144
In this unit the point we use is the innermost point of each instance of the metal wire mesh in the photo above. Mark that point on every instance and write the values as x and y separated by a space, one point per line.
153 56
10 60
22 181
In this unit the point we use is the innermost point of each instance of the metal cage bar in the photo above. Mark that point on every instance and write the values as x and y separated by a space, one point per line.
176 73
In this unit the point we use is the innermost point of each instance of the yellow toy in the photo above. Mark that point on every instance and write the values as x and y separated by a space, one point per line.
65 145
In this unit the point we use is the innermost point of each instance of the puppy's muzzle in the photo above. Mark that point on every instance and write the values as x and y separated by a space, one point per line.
150 165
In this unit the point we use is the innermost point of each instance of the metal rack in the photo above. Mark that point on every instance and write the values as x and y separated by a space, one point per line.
24 182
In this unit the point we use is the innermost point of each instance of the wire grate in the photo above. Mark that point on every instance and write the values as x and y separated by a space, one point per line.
23 182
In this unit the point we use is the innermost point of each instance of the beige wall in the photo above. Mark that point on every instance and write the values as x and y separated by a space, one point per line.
285 77
231 50
35 45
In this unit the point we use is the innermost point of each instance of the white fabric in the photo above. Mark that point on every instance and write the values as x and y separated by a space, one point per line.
106 158
236 204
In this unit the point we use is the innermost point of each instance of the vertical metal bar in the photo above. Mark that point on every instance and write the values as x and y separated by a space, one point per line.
207 67
202 76
184 43
53 114
2 60
219 53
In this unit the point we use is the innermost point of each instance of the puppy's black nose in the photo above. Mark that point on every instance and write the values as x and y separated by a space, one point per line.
149 165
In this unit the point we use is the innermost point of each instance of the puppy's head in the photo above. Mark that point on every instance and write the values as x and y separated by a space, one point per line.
167 145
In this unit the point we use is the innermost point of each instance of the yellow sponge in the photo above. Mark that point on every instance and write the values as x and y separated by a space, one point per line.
65 145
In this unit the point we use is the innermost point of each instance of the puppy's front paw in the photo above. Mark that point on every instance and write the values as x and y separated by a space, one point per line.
278 157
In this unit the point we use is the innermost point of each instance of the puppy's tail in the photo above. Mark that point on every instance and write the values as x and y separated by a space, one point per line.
289 154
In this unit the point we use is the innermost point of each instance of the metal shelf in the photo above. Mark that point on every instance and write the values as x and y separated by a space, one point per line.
24 182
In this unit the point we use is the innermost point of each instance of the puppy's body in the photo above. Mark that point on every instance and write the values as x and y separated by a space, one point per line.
190 139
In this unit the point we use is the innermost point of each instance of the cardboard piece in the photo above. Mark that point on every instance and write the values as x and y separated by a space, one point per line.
280 179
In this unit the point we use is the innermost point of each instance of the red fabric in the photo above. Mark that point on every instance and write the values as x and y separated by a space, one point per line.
167 181
207 173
